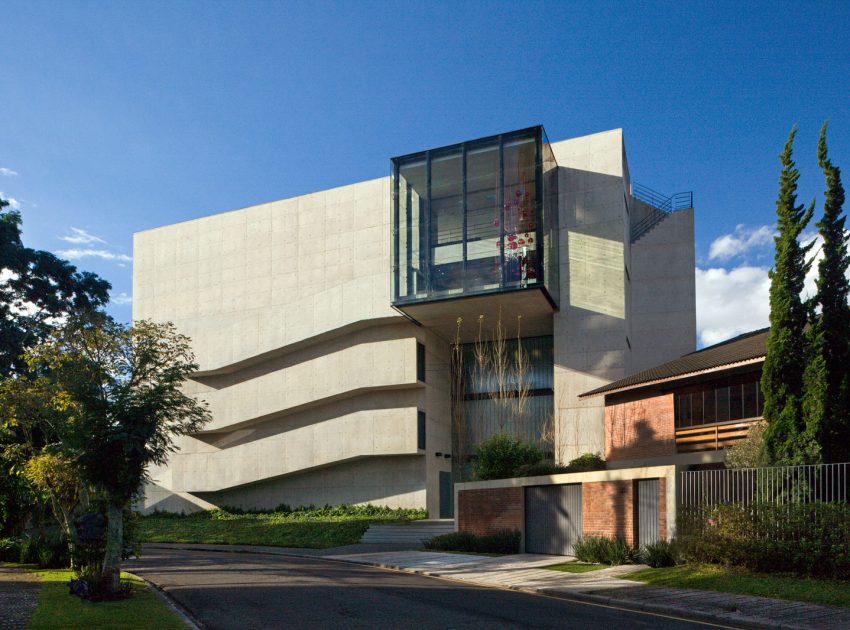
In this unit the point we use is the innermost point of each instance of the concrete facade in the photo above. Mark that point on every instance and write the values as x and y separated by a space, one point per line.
311 375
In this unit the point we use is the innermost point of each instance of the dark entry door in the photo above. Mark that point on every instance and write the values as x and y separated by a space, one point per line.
649 514
552 518
447 500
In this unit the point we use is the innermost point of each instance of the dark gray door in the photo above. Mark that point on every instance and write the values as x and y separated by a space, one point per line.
648 516
447 499
552 519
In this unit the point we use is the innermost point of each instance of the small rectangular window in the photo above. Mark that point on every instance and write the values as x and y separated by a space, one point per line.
420 430
420 362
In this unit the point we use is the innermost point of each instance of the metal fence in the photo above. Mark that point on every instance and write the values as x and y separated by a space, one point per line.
776 503
778 485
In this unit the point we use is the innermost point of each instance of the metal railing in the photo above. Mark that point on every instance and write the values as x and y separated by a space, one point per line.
778 485
661 205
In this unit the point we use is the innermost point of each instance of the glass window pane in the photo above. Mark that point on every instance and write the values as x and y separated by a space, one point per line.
722 404
709 405
520 211
447 222
751 400
696 407
412 198
484 216
736 402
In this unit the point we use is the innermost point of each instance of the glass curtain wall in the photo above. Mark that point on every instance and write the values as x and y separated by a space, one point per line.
501 394
476 217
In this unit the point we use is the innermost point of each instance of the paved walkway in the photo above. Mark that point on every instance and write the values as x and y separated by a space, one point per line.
522 572
18 596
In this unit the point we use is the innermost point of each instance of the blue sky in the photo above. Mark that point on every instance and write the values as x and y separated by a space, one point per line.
117 117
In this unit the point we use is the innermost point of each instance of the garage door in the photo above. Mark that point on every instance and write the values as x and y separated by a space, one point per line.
552 519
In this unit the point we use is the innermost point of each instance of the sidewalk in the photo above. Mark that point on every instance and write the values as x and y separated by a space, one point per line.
18 597
522 572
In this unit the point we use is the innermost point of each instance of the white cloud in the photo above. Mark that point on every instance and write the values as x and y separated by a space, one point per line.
14 203
7 172
740 242
81 237
121 299
731 302
76 254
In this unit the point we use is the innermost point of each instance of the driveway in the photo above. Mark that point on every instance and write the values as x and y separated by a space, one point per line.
248 590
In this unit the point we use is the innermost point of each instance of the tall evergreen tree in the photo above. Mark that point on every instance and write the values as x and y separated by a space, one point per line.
782 376
827 378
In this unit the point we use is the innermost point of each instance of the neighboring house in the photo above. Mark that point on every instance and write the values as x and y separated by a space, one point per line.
323 324
686 411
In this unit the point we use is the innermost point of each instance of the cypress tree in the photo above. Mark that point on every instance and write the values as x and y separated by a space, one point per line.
784 365
827 378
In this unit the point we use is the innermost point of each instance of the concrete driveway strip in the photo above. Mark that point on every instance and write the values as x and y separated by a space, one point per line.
246 590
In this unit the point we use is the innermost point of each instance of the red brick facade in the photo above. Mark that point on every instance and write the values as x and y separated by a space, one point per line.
607 509
488 511
638 427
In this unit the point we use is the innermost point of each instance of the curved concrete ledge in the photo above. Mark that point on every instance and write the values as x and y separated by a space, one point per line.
291 348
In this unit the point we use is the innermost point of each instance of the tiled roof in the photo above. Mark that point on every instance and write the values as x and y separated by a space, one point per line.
746 347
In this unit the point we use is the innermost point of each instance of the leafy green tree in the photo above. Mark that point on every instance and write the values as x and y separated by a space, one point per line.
827 377
782 376
119 389
37 290
56 477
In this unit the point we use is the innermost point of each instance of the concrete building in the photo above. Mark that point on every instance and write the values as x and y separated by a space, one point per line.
331 328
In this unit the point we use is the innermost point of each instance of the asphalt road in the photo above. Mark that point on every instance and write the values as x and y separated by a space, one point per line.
242 591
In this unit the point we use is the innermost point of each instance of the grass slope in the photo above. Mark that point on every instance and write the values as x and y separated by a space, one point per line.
315 529
733 580
58 609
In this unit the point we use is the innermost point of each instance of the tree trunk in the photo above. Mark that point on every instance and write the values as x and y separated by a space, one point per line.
111 572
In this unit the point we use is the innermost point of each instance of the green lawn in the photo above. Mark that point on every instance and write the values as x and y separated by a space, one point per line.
58 609
732 580
316 530
575 567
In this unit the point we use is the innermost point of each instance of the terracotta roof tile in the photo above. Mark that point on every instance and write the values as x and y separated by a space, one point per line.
751 345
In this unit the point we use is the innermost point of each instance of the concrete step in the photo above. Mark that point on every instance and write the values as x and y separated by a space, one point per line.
414 532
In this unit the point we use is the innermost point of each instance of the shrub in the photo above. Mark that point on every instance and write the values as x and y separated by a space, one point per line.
811 539
505 541
603 550
500 456
49 552
10 549
664 553
586 463
543 468
583 463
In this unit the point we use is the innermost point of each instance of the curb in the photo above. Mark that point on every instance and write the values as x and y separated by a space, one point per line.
172 603
727 620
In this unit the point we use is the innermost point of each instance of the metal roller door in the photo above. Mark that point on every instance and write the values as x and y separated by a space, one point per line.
648 512
552 519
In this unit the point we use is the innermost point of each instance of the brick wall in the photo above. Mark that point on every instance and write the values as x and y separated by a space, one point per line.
639 427
607 509
488 511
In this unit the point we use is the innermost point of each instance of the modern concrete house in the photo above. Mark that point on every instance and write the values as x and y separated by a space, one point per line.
340 334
